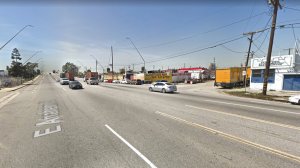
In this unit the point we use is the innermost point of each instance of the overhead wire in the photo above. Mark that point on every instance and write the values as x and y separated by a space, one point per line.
190 52
197 34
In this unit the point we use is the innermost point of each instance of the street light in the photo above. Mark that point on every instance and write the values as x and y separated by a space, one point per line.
138 52
97 62
15 35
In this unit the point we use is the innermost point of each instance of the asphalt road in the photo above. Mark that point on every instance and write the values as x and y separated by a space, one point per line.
113 125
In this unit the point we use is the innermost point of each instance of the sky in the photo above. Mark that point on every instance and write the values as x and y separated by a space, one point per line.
168 35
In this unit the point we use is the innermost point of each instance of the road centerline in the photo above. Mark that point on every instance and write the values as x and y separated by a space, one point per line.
131 147
234 138
247 118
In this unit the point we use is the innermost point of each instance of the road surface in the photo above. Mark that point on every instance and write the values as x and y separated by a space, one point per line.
112 125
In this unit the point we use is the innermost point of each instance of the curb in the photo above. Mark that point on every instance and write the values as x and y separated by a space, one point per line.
23 85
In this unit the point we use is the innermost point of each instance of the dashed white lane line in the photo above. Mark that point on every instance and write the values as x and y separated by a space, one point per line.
247 118
131 147
262 108
234 138
8 98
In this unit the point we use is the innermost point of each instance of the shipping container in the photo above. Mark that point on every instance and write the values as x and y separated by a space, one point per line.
70 76
229 77
90 75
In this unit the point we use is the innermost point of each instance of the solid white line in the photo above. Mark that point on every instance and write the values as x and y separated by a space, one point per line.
3 103
247 118
262 108
234 138
6 97
131 147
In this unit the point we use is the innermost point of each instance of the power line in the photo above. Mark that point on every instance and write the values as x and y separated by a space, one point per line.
258 48
205 32
191 52
292 9
232 50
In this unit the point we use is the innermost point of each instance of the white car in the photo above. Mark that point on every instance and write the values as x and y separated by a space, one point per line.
64 81
294 99
115 81
124 81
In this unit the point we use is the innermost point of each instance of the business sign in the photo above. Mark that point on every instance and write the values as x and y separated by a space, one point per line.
158 76
285 61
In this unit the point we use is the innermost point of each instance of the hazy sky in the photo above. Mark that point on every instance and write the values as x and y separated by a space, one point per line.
71 32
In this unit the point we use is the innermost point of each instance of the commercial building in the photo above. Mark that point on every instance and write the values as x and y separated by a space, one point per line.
284 73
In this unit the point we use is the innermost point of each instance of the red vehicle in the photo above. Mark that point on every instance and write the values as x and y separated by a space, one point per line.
70 76
89 75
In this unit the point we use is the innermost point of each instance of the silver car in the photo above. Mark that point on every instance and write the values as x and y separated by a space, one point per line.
162 87
64 81
92 81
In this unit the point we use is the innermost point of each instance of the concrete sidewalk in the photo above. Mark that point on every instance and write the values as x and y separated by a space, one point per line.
20 86
275 95
209 87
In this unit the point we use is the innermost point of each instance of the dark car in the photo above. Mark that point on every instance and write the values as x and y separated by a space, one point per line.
136 82
75 85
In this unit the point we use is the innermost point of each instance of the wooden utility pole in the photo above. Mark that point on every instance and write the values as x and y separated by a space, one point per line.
247 60
275 3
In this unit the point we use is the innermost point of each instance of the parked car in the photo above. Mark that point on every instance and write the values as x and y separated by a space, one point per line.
295 99
92 81
161 81
115 81
136 82
64 81
124 81
162 87
75 85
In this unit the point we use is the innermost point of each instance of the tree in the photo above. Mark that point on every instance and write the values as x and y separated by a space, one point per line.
16 68
70 67
29 70
15 55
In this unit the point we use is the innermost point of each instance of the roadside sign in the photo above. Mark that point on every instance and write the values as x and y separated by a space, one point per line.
244 73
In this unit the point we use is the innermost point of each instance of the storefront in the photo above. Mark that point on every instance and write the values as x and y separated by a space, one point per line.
284 73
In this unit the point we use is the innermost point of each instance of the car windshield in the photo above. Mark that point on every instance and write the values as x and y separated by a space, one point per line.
149 83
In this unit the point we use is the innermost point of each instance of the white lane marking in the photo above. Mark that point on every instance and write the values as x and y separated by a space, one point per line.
47 131
247 118
131 147
262 108
64 89
234 138
7 99
259 102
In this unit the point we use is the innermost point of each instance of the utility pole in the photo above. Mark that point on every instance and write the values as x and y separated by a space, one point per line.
289 50
247 60
96 66
112 63
275 3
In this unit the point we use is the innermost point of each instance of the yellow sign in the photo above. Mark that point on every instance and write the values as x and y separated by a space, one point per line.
158 76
